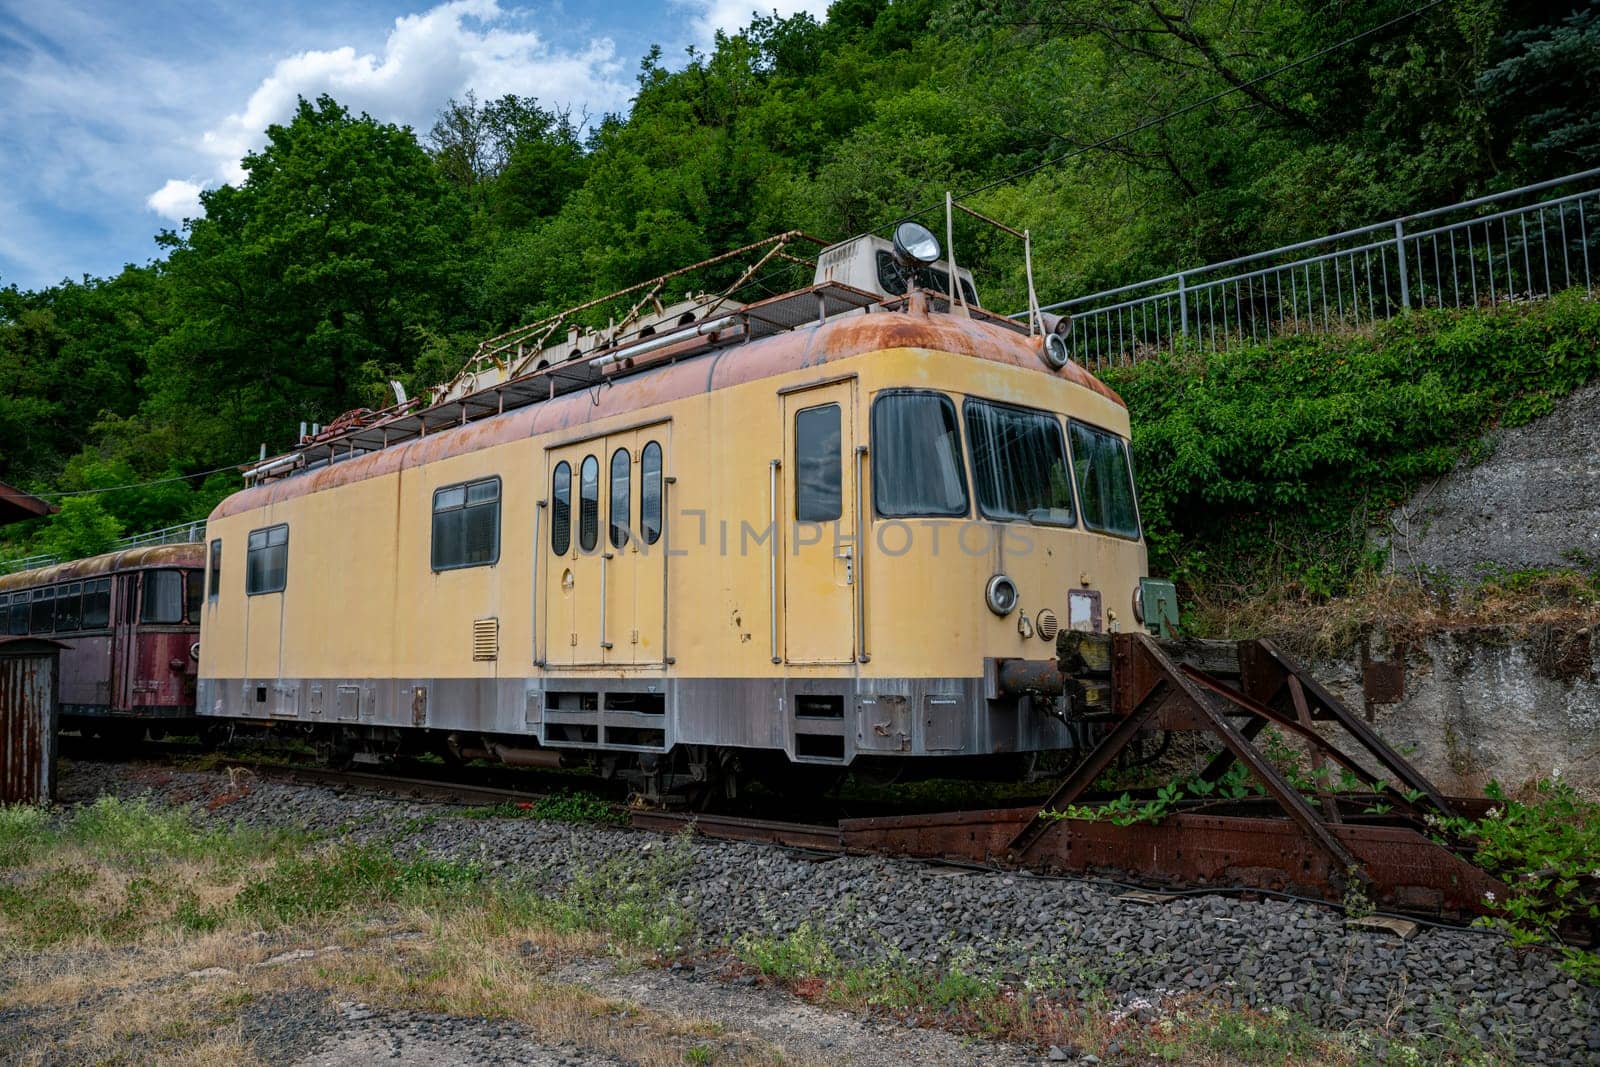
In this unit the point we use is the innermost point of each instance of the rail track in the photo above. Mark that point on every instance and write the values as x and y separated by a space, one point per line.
1375 844
977 838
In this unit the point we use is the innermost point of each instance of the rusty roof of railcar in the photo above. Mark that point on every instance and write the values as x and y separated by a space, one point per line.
837 339
129 559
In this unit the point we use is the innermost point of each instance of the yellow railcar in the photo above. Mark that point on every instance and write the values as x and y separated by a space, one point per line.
835 526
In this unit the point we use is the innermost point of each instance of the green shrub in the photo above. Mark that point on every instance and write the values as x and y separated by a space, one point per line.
1263 467
1547 851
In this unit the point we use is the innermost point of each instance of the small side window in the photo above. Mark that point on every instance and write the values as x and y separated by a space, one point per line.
561 509
466 525
214 570
194 589
650 493
818 465
97 604
69 608
17 624
589 504
5 611
621 497
266 560
44 611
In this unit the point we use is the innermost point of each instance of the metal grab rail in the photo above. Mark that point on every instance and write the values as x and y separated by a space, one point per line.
1517 252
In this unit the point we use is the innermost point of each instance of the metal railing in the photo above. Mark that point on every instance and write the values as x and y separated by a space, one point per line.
187 533
183 533
1478 253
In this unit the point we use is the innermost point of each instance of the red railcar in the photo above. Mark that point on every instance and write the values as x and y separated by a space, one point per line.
130 624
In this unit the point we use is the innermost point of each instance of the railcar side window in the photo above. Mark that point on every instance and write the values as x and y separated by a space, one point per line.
69 608
1105 481
621 508
18 623
1019 464
266 562
650 493
466 525
819 465
163 597
44 611
588 503
97 604
214 571
5 611
561 509
193 593
916 456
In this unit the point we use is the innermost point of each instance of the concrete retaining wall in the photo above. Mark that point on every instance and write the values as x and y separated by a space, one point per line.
1482 704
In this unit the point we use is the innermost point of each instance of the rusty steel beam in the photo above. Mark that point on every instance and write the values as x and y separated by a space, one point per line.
1335 709
1408 872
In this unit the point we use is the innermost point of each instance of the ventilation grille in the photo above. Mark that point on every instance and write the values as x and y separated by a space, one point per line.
1048 625
485 639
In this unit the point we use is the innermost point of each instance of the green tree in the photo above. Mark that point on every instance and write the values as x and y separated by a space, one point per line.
302 289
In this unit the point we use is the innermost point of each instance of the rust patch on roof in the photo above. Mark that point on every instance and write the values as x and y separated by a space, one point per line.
837 339
146 556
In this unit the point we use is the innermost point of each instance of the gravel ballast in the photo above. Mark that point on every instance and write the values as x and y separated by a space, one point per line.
1053 934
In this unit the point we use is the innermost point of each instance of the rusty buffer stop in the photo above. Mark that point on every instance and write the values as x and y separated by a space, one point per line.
29 668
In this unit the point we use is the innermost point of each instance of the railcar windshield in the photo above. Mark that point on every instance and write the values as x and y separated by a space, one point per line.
1105 481
916 449
163 597
1019 464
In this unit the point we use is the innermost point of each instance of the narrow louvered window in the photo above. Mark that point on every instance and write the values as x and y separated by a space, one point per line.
485 639
466 525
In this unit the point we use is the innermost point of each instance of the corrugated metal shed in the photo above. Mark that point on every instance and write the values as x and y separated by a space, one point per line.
29 668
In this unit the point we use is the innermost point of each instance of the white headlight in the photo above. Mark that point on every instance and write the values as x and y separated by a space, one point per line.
1056 352
915 242
1001 595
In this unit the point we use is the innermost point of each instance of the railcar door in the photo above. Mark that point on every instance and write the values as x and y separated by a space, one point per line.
573 554
634 559
818 523
124 647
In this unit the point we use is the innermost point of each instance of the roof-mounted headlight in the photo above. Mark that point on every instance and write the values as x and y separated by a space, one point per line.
1055 351
915 243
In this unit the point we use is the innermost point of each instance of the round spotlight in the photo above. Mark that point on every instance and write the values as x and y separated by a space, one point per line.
1055 351
1138 603
1001 595
916 243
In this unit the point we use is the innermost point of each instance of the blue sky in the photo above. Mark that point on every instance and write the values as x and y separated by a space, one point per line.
114 114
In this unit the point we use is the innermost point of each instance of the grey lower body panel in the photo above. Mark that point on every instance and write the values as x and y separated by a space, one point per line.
812 719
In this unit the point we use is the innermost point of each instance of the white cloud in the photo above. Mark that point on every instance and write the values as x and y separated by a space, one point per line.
426 59
177 200
730 16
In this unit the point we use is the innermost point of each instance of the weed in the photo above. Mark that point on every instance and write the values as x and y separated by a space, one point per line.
576 807
24 831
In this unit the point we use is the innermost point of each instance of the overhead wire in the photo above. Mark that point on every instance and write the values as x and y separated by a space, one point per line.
136 485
